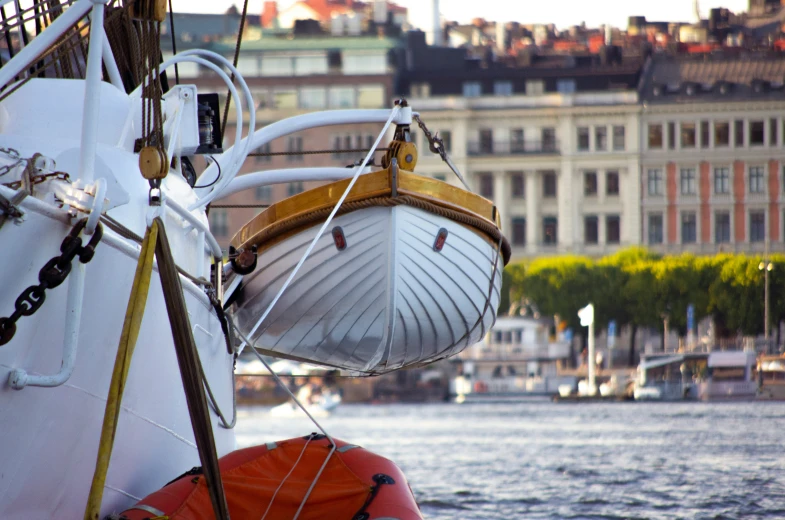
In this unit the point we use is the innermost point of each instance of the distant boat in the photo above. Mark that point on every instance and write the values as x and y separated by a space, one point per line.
318 406
771 375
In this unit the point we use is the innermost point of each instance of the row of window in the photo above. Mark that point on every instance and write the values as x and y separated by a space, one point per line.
264 194
294 148
518 184
516 144
701 134
591 230
756 181
505 88
722 227
316 97
601 138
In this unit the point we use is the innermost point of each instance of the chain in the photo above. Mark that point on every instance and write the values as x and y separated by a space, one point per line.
436 145
38 179
51 275
14 155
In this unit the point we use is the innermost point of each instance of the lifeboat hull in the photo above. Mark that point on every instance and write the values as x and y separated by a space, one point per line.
386 300
271 481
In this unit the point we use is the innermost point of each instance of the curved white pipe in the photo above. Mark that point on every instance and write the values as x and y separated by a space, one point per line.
314 120
237 162
235 96
267 177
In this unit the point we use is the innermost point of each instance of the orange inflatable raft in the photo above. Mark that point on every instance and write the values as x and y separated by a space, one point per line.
271 480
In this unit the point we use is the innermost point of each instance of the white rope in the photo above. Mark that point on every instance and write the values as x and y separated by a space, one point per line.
297 401
284 479
357 173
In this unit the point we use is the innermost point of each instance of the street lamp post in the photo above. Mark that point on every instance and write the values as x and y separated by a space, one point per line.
765 266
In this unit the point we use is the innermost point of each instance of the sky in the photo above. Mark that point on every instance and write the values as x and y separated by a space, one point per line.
563 13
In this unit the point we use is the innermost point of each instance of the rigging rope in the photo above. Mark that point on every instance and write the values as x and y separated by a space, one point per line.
190 371
125 350
234 63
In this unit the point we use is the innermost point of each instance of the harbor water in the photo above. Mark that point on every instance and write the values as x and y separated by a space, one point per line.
540 459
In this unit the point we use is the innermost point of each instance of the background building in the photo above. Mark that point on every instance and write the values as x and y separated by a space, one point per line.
712 153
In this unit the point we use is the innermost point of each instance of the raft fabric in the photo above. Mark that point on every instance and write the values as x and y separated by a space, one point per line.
252 475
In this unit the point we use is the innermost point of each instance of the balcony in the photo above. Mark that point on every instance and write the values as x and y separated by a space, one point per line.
484 148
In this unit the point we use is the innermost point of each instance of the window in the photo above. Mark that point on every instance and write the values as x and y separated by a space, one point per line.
618 138
277 66
294 144
722 227
756 133
590 183
773 132
342 97
671 135
688 228
472 89
294 188
756 179
590 230
612 229
446 136
655 229
313 97
370 96
550 229
688 135
704 134
308 65
654 181
565 86
440 177
518 186
600 138
516 140
364 62
721 180
721 134
655 136
548 139
549 184
688 181
738 130
535 86
486 140
264 194
519 231
583 139
502 88
486 185
612 183
265 148
285 98
219 222
757 226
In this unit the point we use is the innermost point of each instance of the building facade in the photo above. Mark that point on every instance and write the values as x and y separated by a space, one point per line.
712 154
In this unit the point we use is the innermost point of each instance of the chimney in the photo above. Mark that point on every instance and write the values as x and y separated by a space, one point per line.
501 36
269 14
436 27
380 12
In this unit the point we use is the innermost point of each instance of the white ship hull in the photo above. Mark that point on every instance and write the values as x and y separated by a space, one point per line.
388 298
49 436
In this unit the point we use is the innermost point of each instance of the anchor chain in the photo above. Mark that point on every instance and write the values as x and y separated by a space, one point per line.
51 275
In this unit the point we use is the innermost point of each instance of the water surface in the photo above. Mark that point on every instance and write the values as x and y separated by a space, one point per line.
559 460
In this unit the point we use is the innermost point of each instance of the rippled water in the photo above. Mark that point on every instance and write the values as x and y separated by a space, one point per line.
559 460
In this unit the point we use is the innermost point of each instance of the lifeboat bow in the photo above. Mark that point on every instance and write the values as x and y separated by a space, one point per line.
273 482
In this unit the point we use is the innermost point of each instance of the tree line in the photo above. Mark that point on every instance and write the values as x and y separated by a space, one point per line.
638 288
